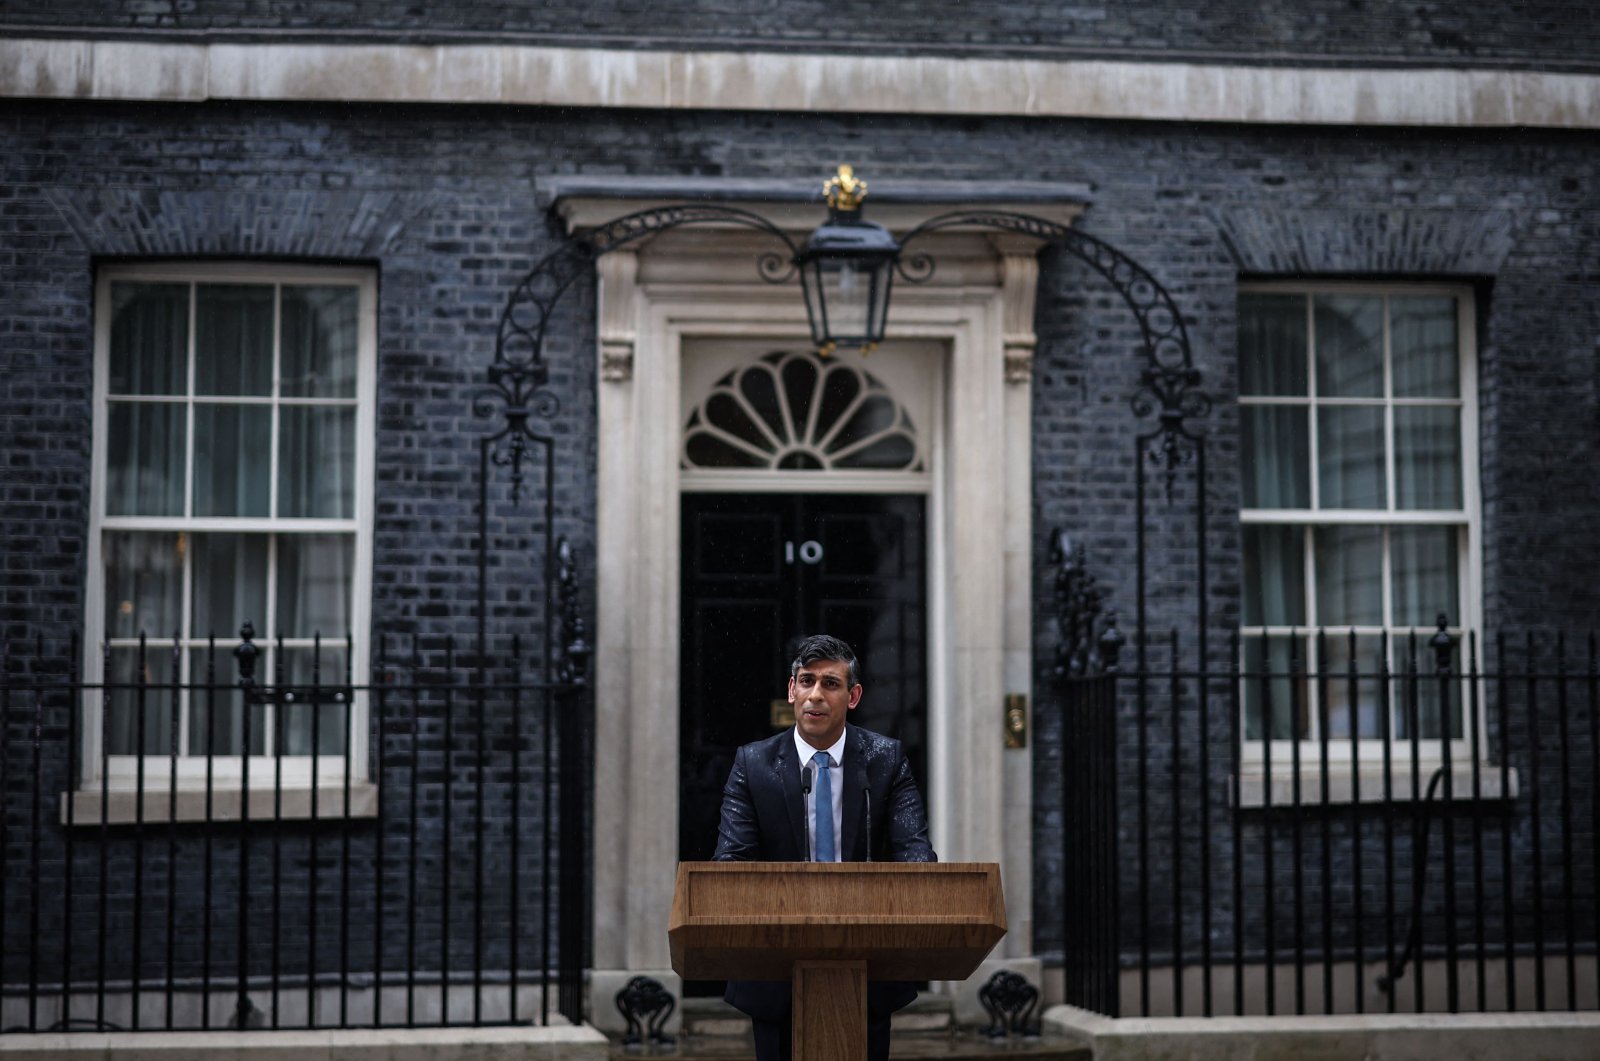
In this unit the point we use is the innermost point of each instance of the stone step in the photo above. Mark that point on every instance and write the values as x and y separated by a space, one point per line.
949 1045
715 1031
705 1017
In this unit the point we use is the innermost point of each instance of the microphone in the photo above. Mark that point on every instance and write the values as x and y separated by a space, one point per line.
805 791
866 794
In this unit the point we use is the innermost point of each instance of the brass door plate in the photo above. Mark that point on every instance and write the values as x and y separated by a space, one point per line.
1016 720
782 713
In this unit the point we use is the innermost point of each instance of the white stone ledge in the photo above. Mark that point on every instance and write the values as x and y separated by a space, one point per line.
1385 1037
121 807
565 1043
772 81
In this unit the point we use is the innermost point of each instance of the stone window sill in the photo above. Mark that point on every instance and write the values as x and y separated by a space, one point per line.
121 806
1249 789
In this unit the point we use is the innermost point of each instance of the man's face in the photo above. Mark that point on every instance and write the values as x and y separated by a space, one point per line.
822 697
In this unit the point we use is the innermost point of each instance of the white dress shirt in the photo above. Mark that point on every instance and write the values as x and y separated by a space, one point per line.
836 779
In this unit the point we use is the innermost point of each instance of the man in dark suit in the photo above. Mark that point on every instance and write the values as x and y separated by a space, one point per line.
823 791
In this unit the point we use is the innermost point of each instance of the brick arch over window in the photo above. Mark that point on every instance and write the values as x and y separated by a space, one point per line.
115 222
1273 242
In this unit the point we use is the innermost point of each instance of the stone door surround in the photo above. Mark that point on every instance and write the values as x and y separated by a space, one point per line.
701 282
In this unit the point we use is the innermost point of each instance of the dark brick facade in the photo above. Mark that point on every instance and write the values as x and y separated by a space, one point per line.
442 203
1549 35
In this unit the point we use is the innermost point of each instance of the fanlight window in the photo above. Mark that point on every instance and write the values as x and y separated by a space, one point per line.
796 411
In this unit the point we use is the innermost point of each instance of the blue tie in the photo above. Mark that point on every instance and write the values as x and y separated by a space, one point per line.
825 851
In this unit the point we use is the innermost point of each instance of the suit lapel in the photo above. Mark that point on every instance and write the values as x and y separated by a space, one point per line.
855 779
788 765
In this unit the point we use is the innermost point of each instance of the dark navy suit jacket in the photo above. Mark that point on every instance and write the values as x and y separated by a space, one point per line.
764 820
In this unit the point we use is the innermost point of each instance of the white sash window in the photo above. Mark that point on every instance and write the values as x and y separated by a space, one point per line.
233 427
1358 427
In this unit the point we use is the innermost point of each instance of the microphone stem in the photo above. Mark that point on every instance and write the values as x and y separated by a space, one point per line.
866 794
805 810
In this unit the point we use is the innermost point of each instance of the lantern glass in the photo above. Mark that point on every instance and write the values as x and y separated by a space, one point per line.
850 298
847 270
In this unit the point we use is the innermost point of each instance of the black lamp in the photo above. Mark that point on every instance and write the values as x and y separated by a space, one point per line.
846 271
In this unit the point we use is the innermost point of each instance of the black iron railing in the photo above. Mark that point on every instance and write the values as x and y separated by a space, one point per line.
1314 828
229 848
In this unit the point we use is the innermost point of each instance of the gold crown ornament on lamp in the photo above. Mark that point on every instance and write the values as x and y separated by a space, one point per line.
844 191
847 270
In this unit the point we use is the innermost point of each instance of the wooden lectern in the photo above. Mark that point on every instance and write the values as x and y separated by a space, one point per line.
831 926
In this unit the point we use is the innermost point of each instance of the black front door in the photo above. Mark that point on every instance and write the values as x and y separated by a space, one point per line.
761 571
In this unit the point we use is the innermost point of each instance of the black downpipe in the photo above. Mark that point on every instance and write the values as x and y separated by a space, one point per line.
1419 875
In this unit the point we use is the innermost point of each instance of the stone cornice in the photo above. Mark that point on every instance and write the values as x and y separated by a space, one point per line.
533 75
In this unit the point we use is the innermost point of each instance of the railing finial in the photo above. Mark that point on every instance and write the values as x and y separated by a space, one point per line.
1079 611
246 653
575 648
1443 645
1111 642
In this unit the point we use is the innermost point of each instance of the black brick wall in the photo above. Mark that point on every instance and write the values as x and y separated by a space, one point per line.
441 202
1545 35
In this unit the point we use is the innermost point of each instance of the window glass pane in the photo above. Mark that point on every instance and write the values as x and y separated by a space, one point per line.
841 385
321 712
1422 338
144 584
1349 575
1272 344
847 291
319 342
1350 457
1276 454
1427 458
1349 346
231 469
1274 575
799 387
1346 686
214 698
759 387
702 450
229 584
725 411
144 459
149 339
876 413
233 339
1274 686
1426 569
139 705
317 462
894 450
314 584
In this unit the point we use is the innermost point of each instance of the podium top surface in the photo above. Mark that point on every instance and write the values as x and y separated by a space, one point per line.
907 920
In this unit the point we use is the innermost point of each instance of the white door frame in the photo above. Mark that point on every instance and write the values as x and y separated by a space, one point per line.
979 565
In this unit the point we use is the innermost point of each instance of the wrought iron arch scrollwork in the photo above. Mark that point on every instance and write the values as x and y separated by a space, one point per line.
516 395
519 345
1169 383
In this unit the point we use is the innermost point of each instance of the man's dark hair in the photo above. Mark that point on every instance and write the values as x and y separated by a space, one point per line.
824 646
